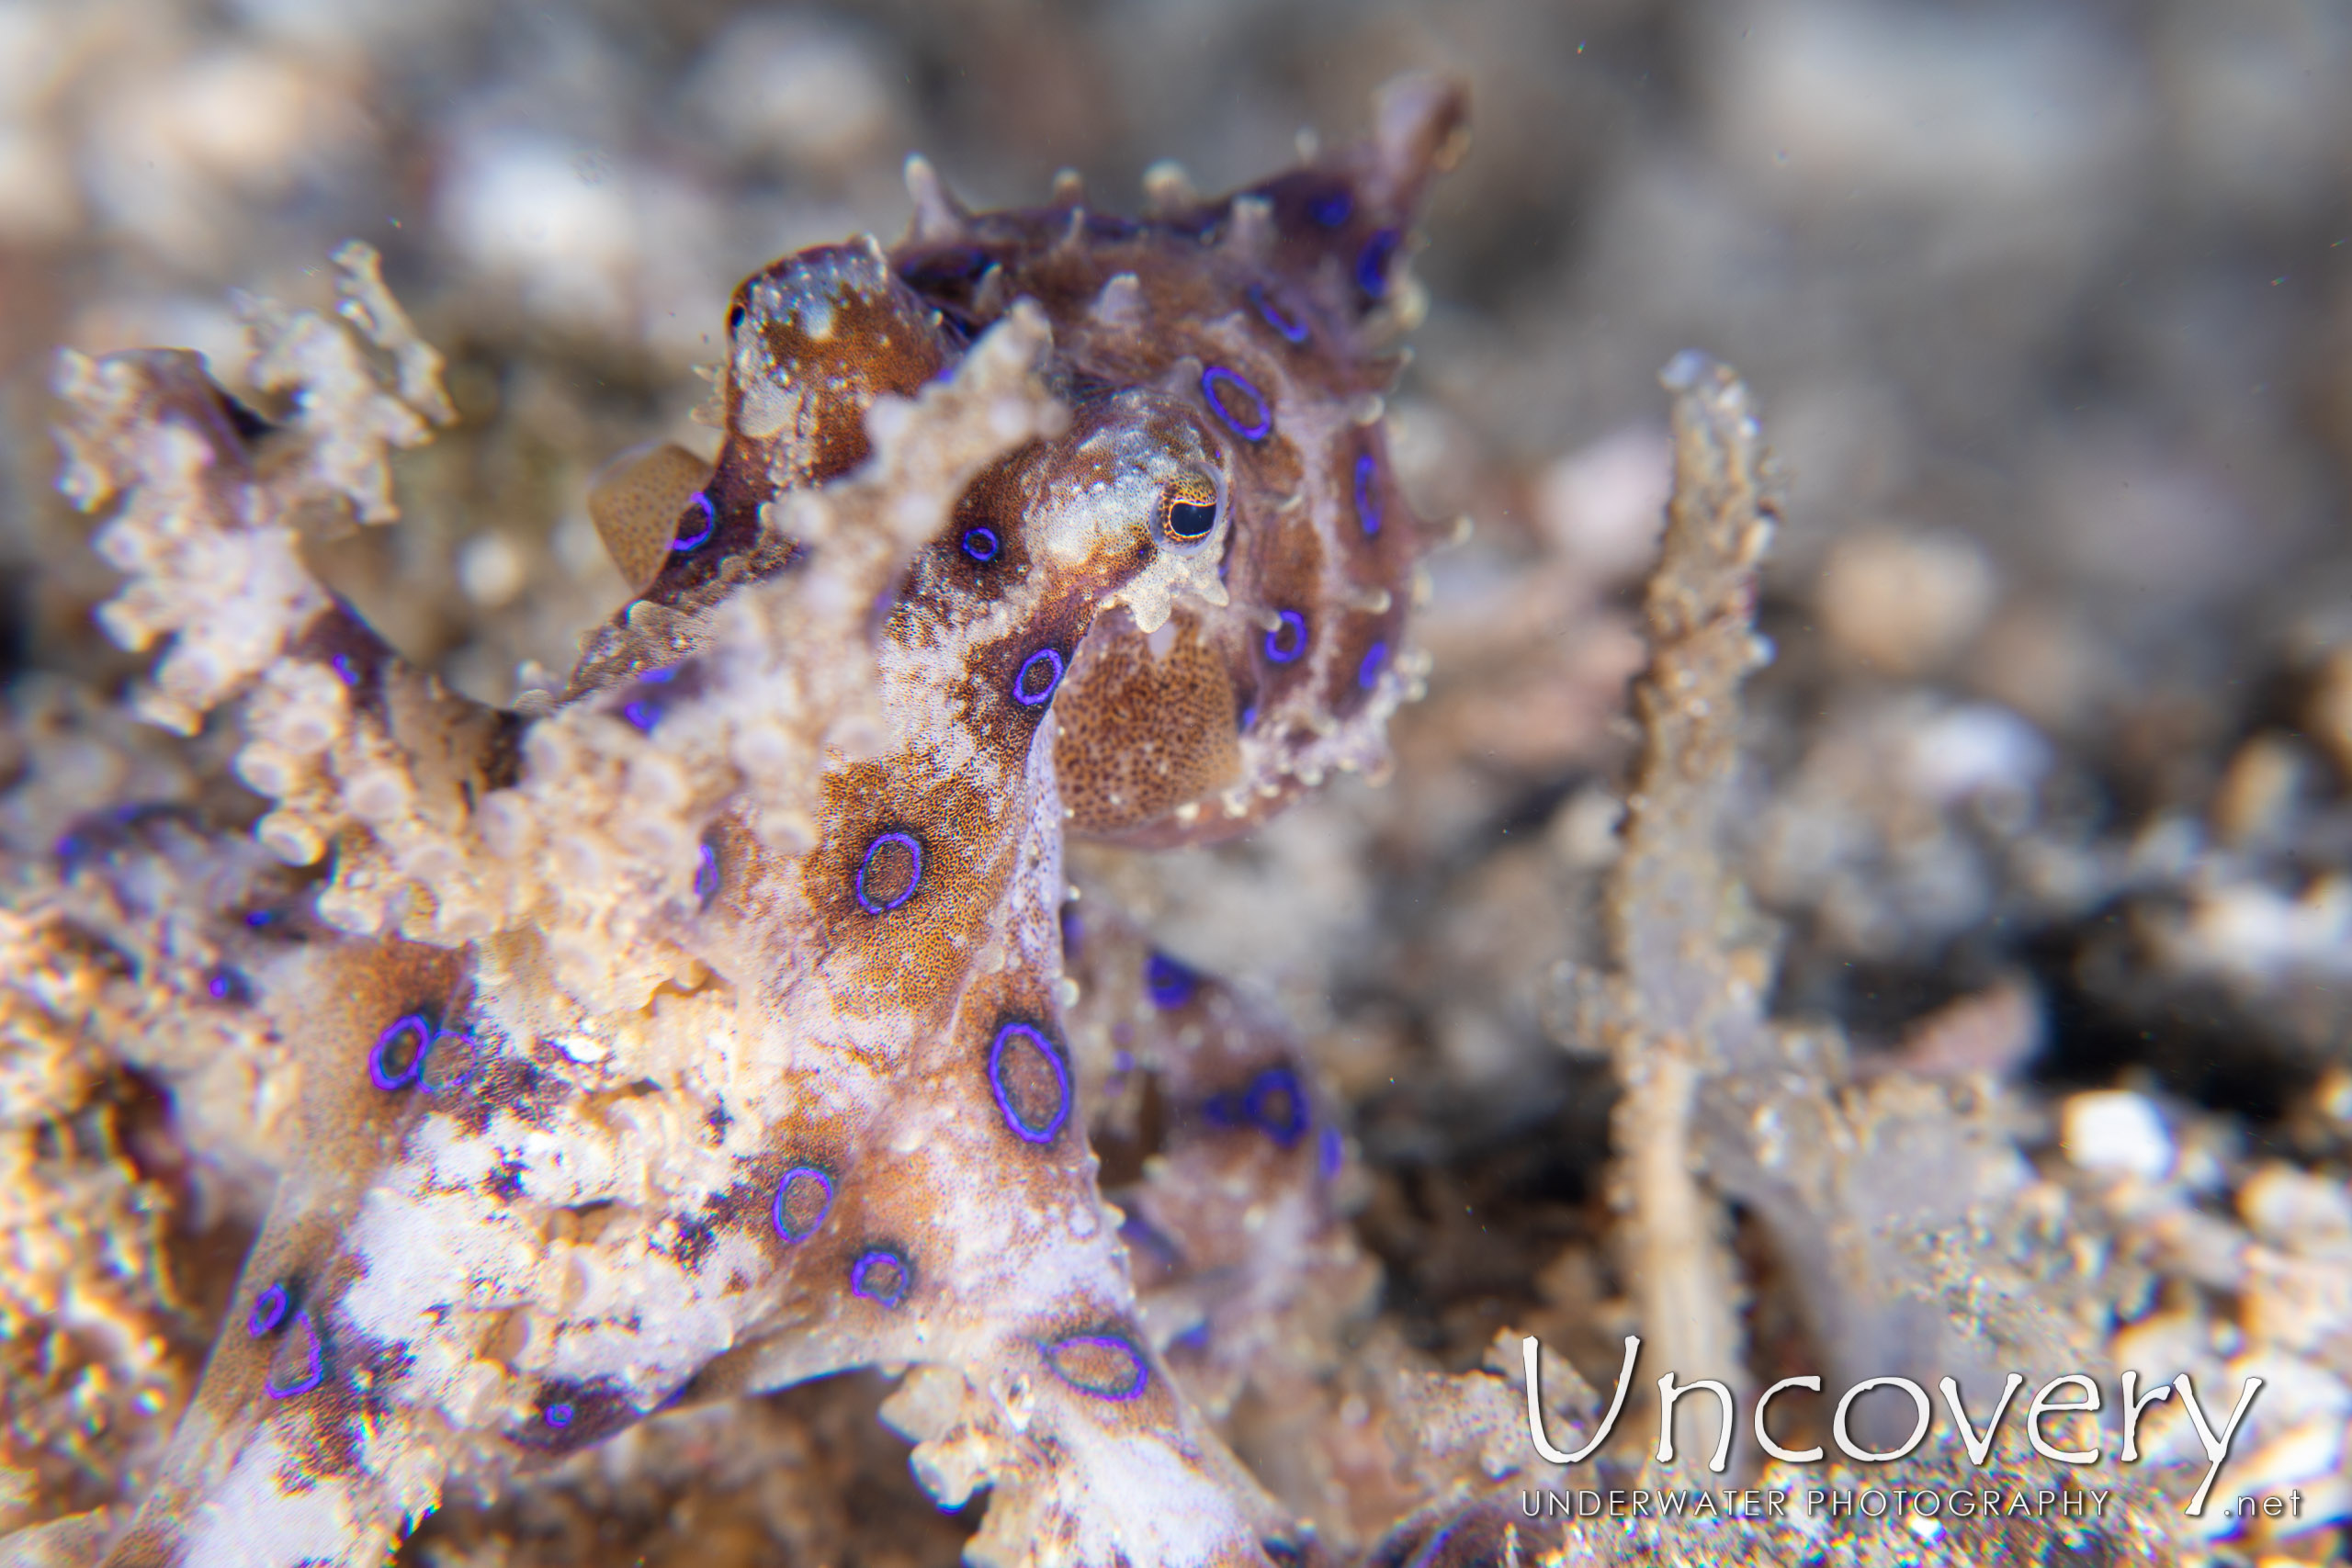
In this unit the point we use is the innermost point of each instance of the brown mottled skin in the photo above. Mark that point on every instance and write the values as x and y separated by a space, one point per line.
1189 608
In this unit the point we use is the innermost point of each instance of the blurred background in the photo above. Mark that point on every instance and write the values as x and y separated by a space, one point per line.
2048 307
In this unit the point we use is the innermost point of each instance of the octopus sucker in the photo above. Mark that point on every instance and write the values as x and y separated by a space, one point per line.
722 1022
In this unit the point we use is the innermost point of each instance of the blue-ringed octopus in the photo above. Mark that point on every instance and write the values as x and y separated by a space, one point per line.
723 1021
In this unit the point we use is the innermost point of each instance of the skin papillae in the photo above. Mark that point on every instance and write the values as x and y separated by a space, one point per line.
704 1032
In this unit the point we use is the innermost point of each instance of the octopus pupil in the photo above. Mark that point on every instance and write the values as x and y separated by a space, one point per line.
1190 519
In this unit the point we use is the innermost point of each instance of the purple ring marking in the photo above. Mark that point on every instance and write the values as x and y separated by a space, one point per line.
1022 686
705 874
1171 984
560 1416
1371 263
685 542
1142 1236
913 847
981 543
1133 1377
1332 210
780 1213
313 1369
1028 1131
1288 1127
881 1275
1375 659
269 1311
380 1071
1216 382
1292 631
1368 509
1292 328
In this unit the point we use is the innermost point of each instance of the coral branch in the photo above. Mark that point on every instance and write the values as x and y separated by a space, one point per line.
1685 999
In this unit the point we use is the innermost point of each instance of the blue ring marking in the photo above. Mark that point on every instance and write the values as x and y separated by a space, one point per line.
380 1070
1217 376
891 1291
1073 932
1130 1386
644 715
1142 1236
1027 1131
1292 328
1171 984
1021 687
1334 1152
1368 507
269 1311
560 1415
1375 659
314 1369
1332 210
223 983
780 1212
1293 1124
685 542
659 675
981 543
872 905
1293 623
1371 263
706 877
342 667
1249 716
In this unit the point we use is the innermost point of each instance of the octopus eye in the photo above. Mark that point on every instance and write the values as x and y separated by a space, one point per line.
1188 510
